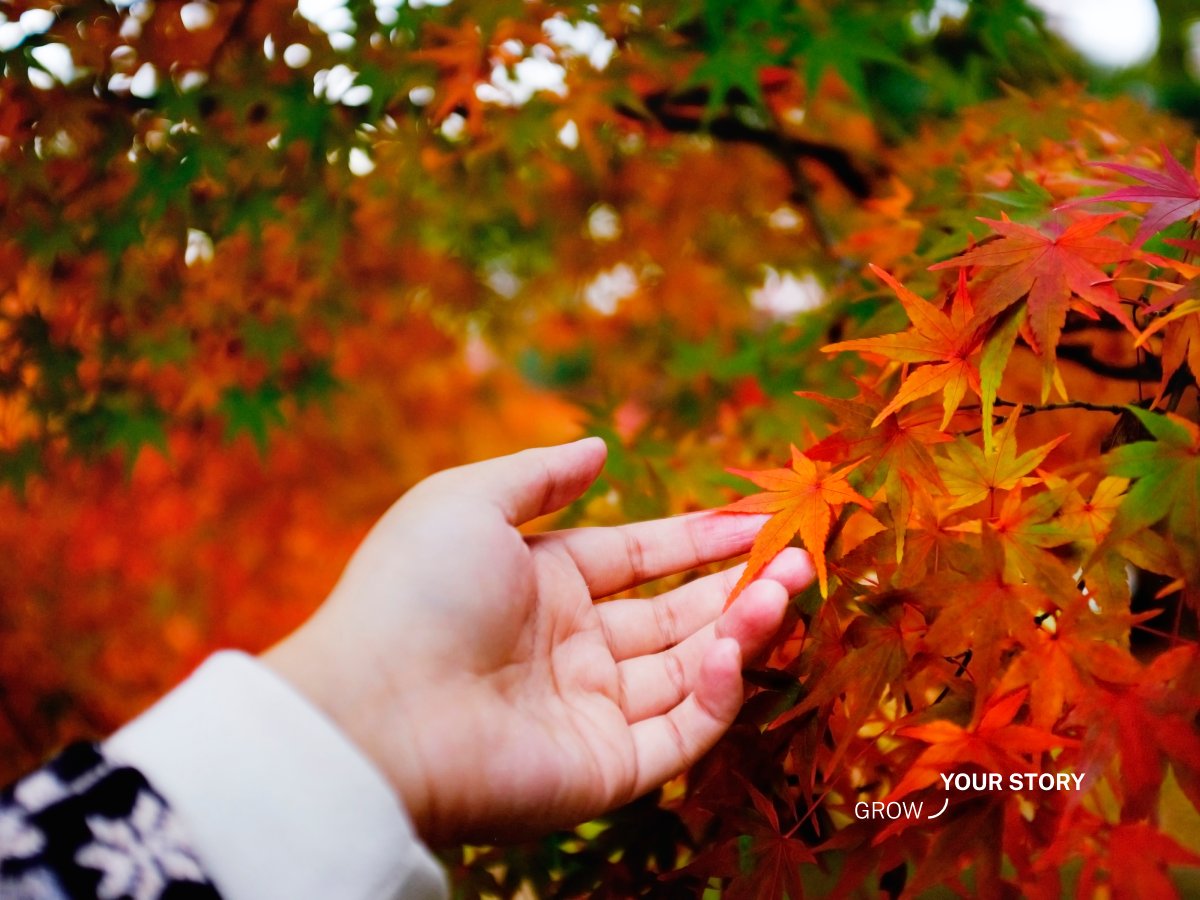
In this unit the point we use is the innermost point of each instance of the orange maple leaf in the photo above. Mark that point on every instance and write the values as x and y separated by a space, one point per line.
802 500
461 56
995 744
945 341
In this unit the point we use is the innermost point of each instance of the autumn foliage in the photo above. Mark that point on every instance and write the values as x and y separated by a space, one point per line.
982 611
905 285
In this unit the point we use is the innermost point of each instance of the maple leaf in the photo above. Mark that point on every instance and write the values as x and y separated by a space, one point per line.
1091 519
848 46
856 667
896 447
1027 529
1177 315
461 56
983 613
1181 343
1148 717
1181 338
972 474
802 500
1052 271
1167 486
763 860
995 744
1173 194
1145 853
1067 652
1047 666
945 340
769 858
732 70
932 543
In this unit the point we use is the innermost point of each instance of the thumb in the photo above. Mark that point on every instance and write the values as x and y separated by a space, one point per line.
533 482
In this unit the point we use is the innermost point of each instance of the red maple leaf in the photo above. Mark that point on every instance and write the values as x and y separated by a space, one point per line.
772 857
764 860
1056 272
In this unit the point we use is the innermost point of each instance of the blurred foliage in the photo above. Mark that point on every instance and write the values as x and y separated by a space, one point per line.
260 272
183 231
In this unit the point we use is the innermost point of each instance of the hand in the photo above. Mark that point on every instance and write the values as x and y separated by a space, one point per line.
471 664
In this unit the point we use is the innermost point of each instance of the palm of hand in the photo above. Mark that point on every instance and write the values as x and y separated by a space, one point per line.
503 700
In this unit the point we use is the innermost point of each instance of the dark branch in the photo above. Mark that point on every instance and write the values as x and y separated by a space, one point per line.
669 112
1115 408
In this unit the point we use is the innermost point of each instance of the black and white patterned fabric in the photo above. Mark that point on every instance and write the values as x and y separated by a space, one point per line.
82 827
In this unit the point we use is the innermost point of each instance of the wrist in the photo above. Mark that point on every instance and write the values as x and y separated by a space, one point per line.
274 799
364 713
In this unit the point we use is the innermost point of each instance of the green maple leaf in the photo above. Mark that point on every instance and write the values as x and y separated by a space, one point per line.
850 42
742 38
1026 196
1167 485
729 70
123 423
252 412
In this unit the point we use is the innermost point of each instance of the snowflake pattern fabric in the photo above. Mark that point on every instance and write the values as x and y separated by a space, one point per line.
82 827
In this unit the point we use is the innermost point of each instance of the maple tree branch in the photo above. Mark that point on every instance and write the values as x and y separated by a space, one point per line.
802 193
666 111
1115 409
1028 409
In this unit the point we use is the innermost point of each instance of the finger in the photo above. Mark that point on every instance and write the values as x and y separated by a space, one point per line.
614 559
650 685
666 745
636 627
530 483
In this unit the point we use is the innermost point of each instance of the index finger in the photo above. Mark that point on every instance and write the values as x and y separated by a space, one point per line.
617 558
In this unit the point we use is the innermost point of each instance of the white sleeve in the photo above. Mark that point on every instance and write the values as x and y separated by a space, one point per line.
277 800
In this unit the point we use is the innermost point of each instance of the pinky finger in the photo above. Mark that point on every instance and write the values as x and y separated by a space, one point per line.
666 745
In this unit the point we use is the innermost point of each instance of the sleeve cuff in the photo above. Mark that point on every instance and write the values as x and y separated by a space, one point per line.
278 802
